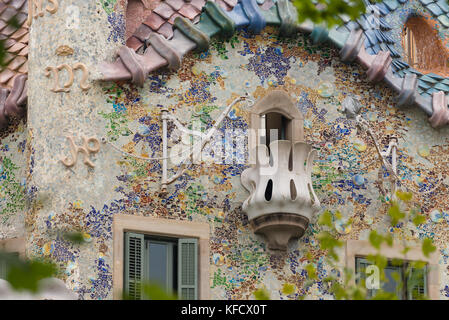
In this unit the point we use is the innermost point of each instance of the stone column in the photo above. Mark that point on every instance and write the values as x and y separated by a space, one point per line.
69 34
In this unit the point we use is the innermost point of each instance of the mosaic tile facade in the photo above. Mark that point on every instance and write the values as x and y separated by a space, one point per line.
347 176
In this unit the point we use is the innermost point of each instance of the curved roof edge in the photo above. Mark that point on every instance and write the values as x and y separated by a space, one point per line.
214 20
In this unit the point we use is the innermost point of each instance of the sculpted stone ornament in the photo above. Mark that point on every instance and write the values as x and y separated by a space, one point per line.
55 72
36 9
86 149
282 201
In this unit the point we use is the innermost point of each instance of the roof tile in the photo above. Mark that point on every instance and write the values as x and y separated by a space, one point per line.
166 30
143 32
175 4
154 21
173 17
199 4
134 43
189 11
164 10
5 75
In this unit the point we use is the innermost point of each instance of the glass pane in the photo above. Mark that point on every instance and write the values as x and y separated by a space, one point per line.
391 285
158 263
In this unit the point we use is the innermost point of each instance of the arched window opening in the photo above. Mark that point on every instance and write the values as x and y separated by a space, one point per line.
275 126
274 117
423 48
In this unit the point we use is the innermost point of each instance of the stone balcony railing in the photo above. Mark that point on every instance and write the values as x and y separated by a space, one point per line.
281 201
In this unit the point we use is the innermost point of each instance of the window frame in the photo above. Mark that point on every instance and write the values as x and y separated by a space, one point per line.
161 227
404 291
363 248
280 102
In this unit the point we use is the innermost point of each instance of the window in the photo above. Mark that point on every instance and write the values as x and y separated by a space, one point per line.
423 48
169 262
419 281
410 47
14 247
406 284
275 126
177 240
274 117
4 266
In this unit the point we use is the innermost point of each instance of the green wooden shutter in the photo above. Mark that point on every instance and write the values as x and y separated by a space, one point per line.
2 269
417 283
188 269
134 265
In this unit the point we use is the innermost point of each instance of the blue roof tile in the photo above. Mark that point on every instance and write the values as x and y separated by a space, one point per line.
443 5
435 9
371 36
384 24
442 87
382 8
391 4
426 2
423 85
428 79
435 76
444 20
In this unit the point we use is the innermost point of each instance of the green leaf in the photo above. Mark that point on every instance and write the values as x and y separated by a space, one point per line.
155 292
288 289
396 214
74 237
404 196
26 274
261 294
428 247
325 219
419 219
311 271
375 239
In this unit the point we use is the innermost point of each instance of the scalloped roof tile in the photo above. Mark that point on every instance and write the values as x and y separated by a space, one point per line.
16 40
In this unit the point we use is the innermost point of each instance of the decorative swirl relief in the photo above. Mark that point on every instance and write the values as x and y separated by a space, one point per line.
49 71
85 149
36 10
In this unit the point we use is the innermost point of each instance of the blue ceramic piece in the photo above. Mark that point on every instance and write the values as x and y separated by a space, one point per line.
256 20
319 35
238 15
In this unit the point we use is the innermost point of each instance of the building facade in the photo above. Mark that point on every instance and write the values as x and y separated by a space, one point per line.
144 125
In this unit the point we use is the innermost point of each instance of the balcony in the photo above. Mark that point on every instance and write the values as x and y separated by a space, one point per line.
282 201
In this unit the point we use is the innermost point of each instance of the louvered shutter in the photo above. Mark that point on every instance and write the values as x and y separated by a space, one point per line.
3 269
417 283
134 265
188 269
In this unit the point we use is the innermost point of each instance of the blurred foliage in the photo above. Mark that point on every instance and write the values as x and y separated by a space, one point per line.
152 291
351 286
328 12
24 274
345 288
261 294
